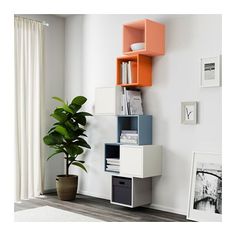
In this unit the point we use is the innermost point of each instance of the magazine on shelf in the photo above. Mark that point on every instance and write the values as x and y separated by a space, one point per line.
126 106
131 102
134 100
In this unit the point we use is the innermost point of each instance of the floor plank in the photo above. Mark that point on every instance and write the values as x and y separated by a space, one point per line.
102 209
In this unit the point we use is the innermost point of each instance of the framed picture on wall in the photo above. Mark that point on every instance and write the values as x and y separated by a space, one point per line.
211 72
205 194
189 113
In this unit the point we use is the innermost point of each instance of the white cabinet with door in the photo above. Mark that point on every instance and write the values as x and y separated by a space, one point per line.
108 101
140 161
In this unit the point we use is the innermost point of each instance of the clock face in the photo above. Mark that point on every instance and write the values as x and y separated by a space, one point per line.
189 112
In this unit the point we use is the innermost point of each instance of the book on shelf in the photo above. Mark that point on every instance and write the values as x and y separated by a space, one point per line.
129 131
132 72
128 141
129 137
113 161
124 72
112 168
128 72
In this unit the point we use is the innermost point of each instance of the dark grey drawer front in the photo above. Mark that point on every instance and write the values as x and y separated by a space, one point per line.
121 190
121 181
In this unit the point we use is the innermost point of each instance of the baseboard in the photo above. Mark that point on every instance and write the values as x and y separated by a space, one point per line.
168 209
152 206
53 190
84 192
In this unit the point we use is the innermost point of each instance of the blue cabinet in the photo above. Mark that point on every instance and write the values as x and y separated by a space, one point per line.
140 123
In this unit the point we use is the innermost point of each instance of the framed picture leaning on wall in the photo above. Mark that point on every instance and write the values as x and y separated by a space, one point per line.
211 72
205 193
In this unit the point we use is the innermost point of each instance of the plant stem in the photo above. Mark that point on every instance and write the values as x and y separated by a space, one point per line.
67 165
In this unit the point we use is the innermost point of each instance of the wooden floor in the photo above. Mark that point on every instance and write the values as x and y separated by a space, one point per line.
102 209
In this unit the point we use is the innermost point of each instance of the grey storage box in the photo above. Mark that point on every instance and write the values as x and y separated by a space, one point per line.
130 191
121 190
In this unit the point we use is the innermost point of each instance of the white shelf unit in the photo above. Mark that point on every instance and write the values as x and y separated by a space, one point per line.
108 101
140 161
131 192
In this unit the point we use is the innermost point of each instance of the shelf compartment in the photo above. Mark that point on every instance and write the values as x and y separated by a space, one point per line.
140 123
131 192
112 151
144 70
147 31
140 161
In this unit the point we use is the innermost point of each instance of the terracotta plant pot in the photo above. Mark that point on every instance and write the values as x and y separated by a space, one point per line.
66 187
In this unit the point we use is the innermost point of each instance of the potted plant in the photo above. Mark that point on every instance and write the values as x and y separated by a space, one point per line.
67 136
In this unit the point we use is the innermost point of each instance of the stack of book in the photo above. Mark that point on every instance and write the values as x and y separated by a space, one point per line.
129 137
131 103
113 164
129 72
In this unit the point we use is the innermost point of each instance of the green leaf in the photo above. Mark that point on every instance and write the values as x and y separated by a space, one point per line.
79 164
74 150
57 123
74 107
79 100
72 158
52 129
66 108
80 119
81 142
59 115
81 130
81 161
84 114
63 131
53 139
72 125
53 154
58 99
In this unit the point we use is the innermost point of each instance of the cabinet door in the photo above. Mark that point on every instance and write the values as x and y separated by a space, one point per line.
107 101
131 160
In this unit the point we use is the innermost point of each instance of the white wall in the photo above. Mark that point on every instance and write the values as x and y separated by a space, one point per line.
73 56
54 46
175 78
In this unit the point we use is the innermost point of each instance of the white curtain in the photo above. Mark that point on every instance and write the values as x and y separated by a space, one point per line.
28 80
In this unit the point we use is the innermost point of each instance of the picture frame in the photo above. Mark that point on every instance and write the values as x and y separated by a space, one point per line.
205 192
189 113
210 72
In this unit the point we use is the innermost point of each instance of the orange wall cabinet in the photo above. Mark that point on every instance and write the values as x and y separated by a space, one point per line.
143 74
147 31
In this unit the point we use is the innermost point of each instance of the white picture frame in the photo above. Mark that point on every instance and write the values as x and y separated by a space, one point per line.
205 192
210 72
189 113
